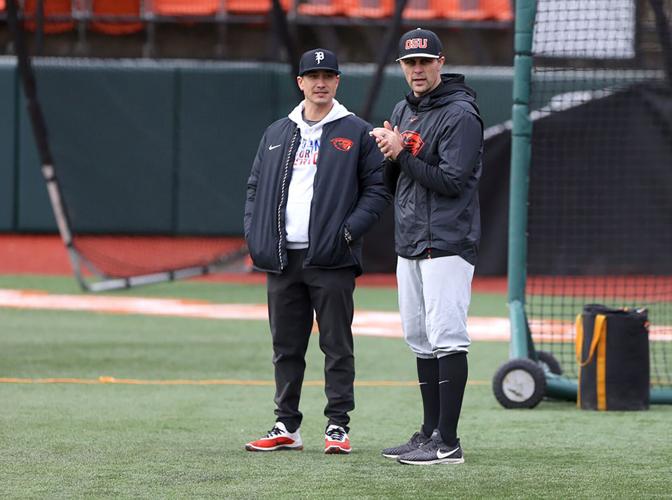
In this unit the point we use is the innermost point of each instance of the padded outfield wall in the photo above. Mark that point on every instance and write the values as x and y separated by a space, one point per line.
187 129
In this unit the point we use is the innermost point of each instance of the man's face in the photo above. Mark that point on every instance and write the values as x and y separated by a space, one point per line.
319 87
423 74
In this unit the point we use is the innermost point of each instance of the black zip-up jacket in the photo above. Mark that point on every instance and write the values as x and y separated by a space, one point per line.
436 176
348 193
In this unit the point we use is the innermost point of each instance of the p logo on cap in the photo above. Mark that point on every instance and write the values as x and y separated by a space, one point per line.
318 59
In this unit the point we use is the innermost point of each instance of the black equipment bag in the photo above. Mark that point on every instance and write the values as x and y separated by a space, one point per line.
612 353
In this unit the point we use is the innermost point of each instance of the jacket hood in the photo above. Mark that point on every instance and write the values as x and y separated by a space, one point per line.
337 112
452 88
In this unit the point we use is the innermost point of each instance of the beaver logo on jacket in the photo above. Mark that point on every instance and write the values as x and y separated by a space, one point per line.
412 141
342 144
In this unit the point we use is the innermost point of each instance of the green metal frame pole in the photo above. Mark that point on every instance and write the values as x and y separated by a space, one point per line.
661 396
521 136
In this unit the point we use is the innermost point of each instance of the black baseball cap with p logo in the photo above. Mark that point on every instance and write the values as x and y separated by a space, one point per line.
420 43
317 59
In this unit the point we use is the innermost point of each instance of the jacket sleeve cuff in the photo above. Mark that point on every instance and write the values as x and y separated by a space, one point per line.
402 156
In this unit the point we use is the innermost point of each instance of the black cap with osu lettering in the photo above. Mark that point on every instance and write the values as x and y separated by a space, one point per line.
316 59
419 43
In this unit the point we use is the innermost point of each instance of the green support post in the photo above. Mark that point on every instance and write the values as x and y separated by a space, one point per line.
521 136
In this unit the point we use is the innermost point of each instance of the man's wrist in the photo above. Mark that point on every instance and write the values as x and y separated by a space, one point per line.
398 156
397 153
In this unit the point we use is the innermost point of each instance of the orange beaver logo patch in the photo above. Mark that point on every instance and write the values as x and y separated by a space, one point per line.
412 141
342 144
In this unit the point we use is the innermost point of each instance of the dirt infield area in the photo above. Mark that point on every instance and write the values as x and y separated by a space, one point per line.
368 323
46 255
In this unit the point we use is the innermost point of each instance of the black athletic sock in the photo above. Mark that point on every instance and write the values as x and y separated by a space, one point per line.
453 371
428 378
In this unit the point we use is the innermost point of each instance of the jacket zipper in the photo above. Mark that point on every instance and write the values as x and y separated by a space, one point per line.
429 202
283 192
310 213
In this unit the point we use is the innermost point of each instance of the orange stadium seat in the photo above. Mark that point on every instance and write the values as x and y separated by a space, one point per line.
129 8
51 8
184 7
322 8
421 9
253 6
370 8
462 10
502 10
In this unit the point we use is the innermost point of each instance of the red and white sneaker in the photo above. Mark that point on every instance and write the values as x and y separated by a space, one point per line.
278 438
336 440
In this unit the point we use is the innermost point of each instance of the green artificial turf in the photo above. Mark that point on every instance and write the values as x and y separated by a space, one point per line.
186 441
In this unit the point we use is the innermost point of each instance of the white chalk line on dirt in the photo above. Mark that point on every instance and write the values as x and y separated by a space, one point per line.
367 323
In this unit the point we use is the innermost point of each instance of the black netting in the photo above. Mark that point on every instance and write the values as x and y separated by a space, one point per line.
600 197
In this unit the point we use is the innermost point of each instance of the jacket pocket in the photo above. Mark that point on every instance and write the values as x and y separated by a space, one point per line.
262 244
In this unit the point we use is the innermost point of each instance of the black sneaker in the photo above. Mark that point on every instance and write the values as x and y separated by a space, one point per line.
417 439
434 451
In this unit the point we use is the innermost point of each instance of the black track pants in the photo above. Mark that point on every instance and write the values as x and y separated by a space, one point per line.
292 296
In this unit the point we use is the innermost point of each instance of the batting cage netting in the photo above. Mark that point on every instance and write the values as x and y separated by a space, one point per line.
146 161
600 176
139 181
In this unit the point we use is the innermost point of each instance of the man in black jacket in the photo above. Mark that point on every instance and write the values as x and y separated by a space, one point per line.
315 188
433 146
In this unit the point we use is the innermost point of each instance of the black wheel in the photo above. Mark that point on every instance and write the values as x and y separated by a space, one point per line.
549 362
519 383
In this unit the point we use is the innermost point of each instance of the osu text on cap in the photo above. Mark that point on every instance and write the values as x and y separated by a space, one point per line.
416 43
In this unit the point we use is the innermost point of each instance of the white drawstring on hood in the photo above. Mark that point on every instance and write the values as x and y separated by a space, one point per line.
337 112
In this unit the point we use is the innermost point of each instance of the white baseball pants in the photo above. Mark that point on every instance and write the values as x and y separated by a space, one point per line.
434 297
